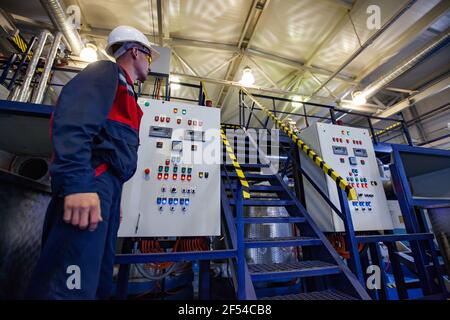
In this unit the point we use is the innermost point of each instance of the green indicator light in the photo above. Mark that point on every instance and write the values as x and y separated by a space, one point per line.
183 111
147 104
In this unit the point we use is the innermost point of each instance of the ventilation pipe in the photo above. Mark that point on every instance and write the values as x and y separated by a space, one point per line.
429 49
32 66
57 13
47 69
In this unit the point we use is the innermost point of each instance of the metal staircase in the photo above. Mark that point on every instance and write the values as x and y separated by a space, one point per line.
319 271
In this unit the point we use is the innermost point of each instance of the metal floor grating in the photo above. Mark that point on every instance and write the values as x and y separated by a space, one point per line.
319 295
280 267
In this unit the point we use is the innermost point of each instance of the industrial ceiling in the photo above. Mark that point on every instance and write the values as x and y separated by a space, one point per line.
320 50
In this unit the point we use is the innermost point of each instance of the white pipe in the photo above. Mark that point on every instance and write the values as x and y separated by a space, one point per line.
47 69
57 14
32 66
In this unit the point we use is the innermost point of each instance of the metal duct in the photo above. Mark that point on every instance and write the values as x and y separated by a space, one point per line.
435 45
266 231
32 66
47 69
57 13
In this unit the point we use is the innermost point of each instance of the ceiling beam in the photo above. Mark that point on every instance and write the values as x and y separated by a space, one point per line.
366 44
297 64
251 24
401 42
431 90
263 73
159 9
236 84
191 70
182 42
407 37
227 62
338 27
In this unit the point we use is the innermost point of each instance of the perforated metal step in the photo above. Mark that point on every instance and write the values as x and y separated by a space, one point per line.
282 242
318 295
310 268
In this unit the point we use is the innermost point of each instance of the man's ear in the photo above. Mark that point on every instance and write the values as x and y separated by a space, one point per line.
134 53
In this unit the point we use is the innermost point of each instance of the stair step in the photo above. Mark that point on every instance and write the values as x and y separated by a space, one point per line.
310 268
282 242
250 165
256 188
250 176
317 295
265 203
258 220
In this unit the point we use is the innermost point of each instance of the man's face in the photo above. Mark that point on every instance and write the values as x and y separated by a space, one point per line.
143 65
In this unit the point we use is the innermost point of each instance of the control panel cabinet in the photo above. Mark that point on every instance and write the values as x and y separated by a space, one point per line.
176 188
349 151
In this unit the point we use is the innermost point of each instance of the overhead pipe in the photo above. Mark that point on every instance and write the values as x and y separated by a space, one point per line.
429 49
47 69
57 13
22 97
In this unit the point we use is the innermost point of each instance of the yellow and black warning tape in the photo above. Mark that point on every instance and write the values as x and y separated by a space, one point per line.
21 45
237 167
341 182
19 42
230 126
395 125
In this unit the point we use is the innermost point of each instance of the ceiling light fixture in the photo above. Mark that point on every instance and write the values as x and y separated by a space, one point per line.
89 53
247 77
297 101
359 98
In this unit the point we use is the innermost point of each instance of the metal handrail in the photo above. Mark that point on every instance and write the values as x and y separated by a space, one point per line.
342 184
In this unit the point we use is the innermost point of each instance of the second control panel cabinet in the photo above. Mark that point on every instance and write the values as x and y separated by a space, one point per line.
176 188
349 151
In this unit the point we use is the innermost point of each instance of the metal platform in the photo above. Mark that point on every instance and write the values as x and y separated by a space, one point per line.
318 295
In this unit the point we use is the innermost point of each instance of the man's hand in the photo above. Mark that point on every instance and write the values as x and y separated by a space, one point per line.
82 210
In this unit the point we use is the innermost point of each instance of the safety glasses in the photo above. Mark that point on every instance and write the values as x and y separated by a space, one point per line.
147 56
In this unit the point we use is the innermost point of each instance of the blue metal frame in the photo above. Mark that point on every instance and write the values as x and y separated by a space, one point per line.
26 109
399 167
407 205
421 241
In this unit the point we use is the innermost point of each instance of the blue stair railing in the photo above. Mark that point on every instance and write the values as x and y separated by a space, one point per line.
329 263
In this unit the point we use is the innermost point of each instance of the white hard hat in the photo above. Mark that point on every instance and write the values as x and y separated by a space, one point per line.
123 34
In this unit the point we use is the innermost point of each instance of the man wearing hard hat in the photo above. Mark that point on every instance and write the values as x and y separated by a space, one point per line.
95 136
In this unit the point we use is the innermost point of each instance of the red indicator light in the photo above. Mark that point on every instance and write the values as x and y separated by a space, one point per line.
183 177
166 176
147 171
159 176
189 178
